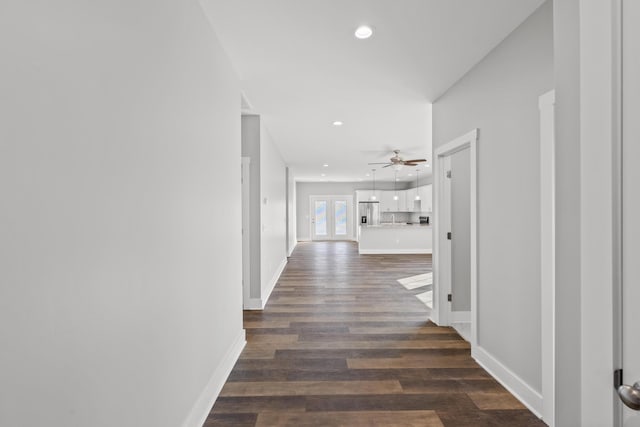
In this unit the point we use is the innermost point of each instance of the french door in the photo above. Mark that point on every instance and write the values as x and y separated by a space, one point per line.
331 217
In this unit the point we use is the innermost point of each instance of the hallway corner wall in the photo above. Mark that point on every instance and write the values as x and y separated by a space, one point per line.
499 96
268 212
273 196
120 287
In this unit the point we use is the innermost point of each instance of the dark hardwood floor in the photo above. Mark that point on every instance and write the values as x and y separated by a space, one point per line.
342 343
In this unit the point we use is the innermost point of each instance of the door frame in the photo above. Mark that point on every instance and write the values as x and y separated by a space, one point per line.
441 313
600 104
246 231
330 219
546 105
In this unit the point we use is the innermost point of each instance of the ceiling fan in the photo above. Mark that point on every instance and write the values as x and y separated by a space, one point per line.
396 160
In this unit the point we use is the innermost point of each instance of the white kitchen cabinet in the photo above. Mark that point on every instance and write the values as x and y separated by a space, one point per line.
426 199
411 197
387 204
429 198
402 200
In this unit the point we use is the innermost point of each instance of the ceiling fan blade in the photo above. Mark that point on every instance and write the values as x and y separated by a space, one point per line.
415 161
390 164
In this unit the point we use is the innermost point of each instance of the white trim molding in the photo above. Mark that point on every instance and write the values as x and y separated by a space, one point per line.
441 309
260 303
547 252
291 249
266 293
516 385
201 409
246 231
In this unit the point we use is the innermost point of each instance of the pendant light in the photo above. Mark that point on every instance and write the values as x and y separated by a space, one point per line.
417 195
373 196
395 190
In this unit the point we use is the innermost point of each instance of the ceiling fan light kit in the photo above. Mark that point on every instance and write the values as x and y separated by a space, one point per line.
397 162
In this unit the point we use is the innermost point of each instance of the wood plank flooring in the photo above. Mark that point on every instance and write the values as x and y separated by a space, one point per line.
342 343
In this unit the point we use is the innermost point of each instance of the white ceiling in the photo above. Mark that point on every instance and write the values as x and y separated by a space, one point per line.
301 69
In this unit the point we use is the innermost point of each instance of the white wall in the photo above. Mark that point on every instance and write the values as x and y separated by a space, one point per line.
120 275
273 198
500 97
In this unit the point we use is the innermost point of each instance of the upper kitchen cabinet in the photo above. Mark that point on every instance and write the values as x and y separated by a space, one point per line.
410 199
402 200
387 204
426 198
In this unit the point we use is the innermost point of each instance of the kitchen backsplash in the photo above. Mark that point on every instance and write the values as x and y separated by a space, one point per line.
404 216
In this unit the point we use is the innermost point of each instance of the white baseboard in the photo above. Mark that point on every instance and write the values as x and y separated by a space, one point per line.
207 398
394 251
520 389
292 248
253 304
260 303
434 317
460 317
266 293
463 329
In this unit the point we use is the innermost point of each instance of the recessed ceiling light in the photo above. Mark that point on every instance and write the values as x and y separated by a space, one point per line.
363 32
325 165
323 174
367 174
410 174
338 123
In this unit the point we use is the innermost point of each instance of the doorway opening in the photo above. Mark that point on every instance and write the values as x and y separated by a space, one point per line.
455 236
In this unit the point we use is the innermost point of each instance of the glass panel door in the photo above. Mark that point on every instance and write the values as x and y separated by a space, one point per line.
321 217
340 215
331 217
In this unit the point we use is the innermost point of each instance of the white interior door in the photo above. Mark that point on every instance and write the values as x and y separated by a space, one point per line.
460 182
631 205
331 217
455 240
444 253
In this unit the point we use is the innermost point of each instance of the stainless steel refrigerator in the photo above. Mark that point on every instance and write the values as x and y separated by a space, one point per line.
369 212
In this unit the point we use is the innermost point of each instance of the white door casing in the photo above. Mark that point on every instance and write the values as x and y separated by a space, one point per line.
547 253
444 244
246 241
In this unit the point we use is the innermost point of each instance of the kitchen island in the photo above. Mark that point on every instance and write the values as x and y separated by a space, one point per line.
388 238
